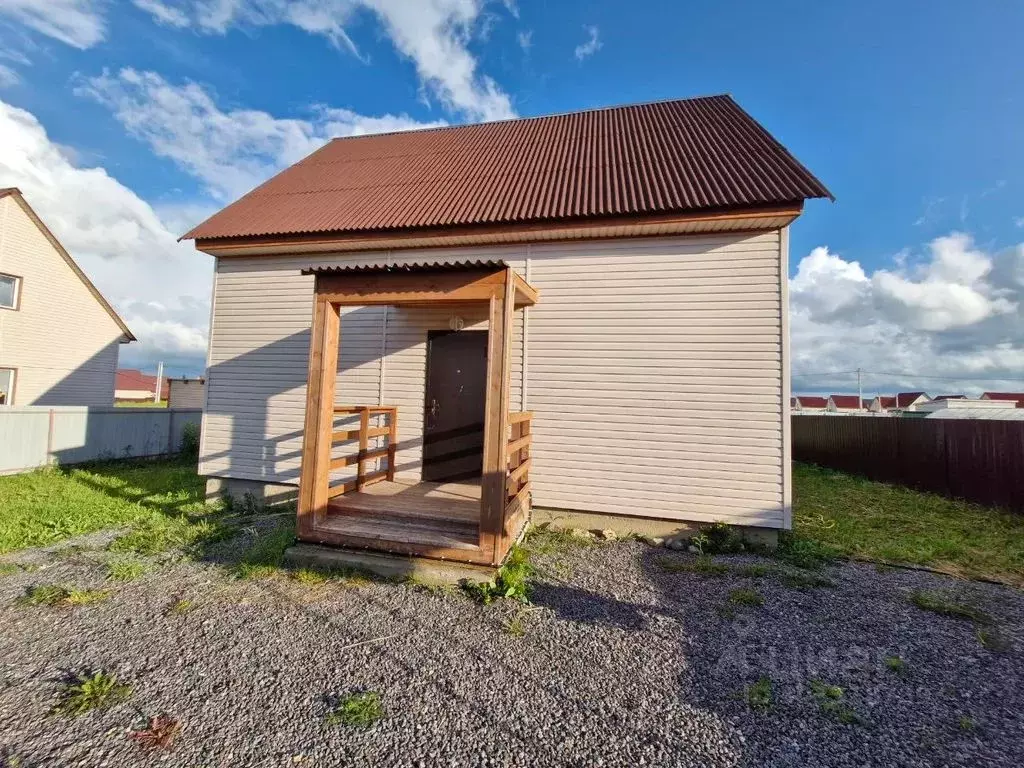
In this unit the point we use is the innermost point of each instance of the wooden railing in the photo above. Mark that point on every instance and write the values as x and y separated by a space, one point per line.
517 485
364 434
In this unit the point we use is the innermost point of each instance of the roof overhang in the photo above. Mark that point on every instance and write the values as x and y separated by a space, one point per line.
735 220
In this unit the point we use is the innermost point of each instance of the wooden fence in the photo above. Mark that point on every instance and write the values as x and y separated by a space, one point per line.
973 459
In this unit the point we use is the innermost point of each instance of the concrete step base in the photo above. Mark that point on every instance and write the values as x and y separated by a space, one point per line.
383 565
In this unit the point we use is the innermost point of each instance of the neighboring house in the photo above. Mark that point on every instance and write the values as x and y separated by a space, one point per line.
608 287
845 404
59 338
1014 397
135 386
882 404
186 393
950 397
811 404
909 401
962 408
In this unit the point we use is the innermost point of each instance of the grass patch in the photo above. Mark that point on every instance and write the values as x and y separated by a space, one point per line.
756 571
360 710
759 695
944 605
50 505
512 580
994 640
966 723
180 607
745 597
702 566
265 556
859 518
6 569
804 580
514 625
831 702
127 569
308 577
544 540
87 692
56 594
896 664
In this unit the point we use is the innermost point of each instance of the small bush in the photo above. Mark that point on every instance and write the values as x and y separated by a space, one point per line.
190 439
759 695
512 580
359 710
87 692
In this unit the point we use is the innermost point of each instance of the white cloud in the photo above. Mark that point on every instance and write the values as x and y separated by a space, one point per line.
957 313
525 39
433 34
160 287
79 23
592 45
231 151
8 77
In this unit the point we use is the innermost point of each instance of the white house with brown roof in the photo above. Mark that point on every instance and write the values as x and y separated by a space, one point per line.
59 338
584 315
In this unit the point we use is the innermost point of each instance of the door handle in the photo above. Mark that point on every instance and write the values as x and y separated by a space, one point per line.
433 411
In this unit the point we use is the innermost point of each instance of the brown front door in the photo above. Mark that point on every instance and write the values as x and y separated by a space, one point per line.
453 421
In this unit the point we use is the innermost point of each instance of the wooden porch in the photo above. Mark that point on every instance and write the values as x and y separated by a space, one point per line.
470 522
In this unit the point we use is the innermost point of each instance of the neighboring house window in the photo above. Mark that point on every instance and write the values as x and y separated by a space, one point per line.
9 286
6 386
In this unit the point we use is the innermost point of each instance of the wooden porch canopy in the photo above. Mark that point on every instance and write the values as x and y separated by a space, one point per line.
502 516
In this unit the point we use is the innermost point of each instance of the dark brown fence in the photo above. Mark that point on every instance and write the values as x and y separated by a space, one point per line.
974 459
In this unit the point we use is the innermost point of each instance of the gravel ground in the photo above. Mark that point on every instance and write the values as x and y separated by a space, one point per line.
623 662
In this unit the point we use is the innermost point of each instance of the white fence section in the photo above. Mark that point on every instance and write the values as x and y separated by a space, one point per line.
35 436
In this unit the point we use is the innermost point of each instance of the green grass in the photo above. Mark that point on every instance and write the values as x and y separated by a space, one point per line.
162 501
359 710
863 519
831 702
895 664
87 692
265 556
746 597
126 569
57 594
945 605
512 580
759 695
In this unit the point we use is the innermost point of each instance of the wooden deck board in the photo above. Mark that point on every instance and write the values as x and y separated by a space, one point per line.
434 514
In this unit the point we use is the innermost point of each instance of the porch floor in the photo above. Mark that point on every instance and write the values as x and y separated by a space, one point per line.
409 512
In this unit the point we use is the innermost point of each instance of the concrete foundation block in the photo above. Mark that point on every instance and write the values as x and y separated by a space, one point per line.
383 565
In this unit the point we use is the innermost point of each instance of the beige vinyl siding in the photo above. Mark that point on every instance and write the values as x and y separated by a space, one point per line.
61 340
186 393
653 366
259 343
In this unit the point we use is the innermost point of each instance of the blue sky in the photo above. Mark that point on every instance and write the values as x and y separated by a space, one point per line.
909 112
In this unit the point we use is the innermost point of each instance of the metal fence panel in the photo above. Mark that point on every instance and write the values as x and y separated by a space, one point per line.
33 437
974 459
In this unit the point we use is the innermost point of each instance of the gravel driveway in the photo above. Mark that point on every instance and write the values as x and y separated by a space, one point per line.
622 660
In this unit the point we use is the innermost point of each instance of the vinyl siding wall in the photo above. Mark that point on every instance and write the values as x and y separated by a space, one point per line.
653 367
62 342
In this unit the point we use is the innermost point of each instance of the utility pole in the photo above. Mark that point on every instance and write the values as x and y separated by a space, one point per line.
860 393
159 381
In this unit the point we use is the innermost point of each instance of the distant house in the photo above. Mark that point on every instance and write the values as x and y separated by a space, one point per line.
962 408
882 404
845 404
811 404
136 386
59 338
950 397
908 401
186 393
1015 397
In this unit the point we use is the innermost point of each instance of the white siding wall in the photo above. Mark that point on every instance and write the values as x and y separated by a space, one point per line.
654 369
62 341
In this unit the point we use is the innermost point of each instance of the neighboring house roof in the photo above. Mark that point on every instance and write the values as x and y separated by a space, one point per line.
1015 396
645 159
886 401
15 193
813 402
950 397
846 401
129 379
907 399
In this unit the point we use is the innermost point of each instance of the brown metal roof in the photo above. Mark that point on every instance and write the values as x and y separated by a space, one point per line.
670 156
419 266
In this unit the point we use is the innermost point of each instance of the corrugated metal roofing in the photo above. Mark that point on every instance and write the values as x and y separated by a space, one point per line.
645 159
419 266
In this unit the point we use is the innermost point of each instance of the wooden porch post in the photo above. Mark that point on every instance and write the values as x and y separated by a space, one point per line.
316 438
499 368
